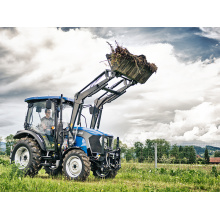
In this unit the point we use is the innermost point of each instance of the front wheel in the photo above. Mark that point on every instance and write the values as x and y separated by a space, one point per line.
76 165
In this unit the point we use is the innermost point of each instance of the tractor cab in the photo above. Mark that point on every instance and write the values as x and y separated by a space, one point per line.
43 116
38 106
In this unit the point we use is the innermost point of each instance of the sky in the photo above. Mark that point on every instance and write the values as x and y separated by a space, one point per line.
180 103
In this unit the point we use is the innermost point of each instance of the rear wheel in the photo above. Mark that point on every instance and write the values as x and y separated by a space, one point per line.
26 155
76 165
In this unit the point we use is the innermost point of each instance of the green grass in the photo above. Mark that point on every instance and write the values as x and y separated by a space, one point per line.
132 177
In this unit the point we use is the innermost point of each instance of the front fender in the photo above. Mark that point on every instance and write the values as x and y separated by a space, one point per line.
37 137
72 148
81 143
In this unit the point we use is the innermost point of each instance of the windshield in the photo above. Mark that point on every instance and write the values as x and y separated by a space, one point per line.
67 112
41 119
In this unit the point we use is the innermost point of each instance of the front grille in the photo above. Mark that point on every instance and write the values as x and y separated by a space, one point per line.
95 144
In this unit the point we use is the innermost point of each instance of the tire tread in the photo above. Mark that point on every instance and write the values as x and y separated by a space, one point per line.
86 165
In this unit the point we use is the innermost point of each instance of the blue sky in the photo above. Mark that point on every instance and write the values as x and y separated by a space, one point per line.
179 103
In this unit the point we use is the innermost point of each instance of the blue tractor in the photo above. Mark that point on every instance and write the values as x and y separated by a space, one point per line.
53 137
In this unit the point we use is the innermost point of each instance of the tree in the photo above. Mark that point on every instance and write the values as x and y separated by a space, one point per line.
163 148
192 154
10 141
139 150
129 154
149 149
174 152
206 155
217 153
186 153
181 152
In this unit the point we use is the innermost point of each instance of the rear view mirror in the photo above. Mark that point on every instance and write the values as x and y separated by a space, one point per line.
48 104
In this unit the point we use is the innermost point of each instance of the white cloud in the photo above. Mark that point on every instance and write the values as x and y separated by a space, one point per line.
211 32
64 58
200 123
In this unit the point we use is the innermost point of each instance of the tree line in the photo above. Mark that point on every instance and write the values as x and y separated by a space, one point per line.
145 152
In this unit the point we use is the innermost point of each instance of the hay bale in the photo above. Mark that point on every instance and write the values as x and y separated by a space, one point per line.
132 66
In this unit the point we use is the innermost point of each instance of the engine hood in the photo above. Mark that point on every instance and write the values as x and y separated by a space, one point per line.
93 131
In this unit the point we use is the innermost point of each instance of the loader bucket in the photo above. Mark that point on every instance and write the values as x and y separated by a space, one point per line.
135 67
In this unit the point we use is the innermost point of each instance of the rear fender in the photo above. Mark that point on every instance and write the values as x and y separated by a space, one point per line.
26 133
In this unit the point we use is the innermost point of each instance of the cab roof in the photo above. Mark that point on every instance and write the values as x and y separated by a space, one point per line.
44 98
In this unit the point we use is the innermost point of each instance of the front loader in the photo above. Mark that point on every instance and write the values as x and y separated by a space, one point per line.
65 146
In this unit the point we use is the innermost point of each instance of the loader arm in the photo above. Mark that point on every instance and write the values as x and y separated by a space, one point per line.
108 96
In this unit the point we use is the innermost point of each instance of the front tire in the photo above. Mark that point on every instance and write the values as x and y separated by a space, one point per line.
76 165
26 155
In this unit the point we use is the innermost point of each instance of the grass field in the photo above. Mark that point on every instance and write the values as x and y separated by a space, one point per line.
132 177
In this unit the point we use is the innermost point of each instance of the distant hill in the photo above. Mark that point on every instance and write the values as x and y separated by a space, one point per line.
2 146
201 150
212 149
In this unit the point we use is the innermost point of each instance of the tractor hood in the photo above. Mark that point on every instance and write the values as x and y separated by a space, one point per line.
92 131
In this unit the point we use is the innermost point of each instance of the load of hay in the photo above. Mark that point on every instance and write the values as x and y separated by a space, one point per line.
132 66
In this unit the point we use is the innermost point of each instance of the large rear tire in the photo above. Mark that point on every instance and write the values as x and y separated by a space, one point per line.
76 165
26 155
